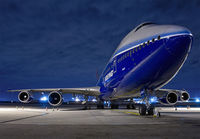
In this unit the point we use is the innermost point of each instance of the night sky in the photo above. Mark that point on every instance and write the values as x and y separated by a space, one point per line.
62 43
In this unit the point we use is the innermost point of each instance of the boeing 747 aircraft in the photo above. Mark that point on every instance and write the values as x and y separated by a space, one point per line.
145 60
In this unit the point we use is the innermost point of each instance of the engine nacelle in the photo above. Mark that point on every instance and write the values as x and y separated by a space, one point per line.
25 97
184 96
170 99
167 97
55 98
171 96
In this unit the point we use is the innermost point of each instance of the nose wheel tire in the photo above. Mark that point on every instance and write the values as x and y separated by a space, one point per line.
151 111
142 110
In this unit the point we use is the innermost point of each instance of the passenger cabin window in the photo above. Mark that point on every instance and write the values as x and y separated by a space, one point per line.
159 37
128 54
143 45
153 40
148 42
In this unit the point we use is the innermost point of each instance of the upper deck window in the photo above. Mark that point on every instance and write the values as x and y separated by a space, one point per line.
142 25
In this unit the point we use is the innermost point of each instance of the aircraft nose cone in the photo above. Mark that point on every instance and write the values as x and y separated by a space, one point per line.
179 45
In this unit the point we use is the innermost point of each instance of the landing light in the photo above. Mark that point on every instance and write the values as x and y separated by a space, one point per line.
77 99
197 100
94 100
43 98
153 100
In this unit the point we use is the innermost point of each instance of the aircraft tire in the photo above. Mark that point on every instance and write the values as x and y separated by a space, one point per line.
114 106
100 106
142 110
151 111
128 106
133 106
85 108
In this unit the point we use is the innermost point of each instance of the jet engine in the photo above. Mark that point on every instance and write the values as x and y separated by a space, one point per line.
171 96
170 99
55 98
184 96
25 97
167 97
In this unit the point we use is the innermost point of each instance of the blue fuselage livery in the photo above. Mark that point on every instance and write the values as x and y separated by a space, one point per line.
146 59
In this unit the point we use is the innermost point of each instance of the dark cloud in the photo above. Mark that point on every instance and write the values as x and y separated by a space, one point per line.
62 43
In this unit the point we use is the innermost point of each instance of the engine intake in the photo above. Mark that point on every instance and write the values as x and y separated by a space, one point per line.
167 96
25 97
170 99
55 98
184 96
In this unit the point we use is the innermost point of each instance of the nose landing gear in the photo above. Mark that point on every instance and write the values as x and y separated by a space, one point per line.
147 108
144 110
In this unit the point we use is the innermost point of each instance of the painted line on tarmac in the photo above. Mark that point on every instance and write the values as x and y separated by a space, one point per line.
128 112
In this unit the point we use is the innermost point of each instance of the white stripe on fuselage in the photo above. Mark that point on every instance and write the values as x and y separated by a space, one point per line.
162 37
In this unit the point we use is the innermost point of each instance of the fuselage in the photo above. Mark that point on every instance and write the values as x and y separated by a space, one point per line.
147 58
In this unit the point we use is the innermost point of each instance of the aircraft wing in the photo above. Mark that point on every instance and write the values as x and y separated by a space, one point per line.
91 91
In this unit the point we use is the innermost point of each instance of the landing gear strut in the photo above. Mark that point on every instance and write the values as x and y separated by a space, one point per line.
146 108
86 105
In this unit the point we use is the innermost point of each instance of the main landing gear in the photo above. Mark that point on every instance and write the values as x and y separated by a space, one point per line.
100 104
86 105
131 105
114 106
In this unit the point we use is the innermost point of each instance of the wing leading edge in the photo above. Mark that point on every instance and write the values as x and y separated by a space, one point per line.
91 91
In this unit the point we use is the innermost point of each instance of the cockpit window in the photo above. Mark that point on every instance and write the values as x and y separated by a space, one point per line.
142 25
